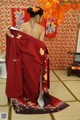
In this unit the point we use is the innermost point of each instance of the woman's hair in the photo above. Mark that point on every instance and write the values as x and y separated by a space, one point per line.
34 13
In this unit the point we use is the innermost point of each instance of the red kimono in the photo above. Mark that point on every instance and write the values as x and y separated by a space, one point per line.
27 83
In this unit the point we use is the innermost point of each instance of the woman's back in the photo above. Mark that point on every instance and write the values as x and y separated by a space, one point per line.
35 29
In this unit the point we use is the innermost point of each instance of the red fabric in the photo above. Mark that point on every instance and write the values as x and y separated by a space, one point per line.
26 57
24 63
22 107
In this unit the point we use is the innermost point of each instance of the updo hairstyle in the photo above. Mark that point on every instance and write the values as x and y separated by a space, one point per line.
34 13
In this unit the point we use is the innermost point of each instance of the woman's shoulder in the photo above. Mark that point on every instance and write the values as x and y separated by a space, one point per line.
23 24
22 27
41 27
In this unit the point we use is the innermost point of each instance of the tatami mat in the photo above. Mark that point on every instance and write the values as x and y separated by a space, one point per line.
74 86
2 80
3 98
53 77
61 86
62 74
71 113
58 90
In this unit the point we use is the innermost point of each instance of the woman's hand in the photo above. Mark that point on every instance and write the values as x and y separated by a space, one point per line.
9 33
12 36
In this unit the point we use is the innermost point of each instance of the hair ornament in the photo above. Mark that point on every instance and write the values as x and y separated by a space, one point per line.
35 9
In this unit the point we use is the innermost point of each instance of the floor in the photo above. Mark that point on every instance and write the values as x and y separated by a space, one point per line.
63 87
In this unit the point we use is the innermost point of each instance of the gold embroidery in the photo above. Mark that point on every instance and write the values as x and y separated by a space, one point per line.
30 103
41 51
26 99
45 76
15 60
18 36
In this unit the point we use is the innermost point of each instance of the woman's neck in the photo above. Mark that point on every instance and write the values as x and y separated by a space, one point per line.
32 22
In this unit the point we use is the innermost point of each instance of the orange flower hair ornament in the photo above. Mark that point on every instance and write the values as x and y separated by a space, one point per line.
35 9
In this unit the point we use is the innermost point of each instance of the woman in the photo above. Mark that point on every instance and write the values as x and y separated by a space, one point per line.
33 27
28 68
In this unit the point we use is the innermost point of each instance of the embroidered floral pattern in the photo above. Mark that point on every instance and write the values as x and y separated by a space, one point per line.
18 36
30 103
45 76
15 60
41 51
